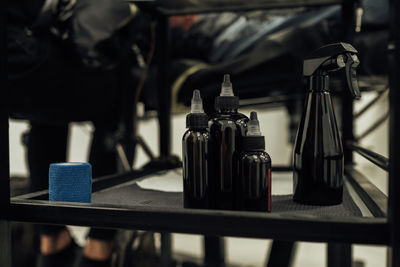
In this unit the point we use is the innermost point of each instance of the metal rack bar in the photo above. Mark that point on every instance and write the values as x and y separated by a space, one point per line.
394 150
373 157
164 92
339 255
5 243
373 127
273 225
140 141
374 199
348 26
4 163
240 6
381 95
281 253
166 249
270 100
5 230
214 251
347 127
4 145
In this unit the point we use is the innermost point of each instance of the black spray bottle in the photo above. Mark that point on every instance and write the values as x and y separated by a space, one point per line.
227 127
254 190
318 153
195 145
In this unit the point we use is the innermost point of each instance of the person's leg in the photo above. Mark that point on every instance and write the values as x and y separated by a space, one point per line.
47 143
103 157
53 239
99 244
57 248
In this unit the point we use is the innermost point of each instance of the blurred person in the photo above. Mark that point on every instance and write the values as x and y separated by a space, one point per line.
66 63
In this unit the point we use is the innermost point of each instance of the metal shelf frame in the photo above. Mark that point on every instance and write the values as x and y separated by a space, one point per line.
183 7
383 229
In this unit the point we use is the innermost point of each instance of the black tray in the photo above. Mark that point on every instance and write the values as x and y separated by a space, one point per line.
134 195
124 205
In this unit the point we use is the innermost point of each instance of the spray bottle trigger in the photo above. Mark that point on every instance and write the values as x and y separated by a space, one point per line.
352 63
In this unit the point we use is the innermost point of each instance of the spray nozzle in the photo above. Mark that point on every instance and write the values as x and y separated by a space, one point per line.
197 103
226 87
334 57
253 126
352 63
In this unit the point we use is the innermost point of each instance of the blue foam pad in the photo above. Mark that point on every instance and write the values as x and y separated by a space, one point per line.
70 182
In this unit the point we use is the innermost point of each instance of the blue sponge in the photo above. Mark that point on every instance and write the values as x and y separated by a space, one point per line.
70 182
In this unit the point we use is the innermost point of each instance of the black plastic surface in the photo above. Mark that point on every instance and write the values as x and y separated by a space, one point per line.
133 195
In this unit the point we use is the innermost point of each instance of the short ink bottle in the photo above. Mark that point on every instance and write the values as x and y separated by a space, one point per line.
254 188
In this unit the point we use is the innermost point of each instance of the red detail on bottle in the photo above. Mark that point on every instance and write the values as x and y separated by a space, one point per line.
269 190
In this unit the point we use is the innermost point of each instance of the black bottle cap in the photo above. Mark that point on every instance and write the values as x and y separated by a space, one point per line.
196 120
226 102
226 99
253 143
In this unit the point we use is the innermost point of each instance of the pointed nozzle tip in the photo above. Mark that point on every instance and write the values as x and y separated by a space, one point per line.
227 78
253 126
196 94
226 88
197 103
253 116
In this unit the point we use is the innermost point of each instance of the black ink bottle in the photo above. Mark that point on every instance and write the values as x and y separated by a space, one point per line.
254 190
195 152
227 127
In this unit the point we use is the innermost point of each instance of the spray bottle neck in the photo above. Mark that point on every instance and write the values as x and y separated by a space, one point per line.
318 83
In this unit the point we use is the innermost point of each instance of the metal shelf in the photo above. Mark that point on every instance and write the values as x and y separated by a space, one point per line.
207 222
174 218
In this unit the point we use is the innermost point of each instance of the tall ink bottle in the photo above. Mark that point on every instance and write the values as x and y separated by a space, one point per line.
318 152
195 145
227 127
254 190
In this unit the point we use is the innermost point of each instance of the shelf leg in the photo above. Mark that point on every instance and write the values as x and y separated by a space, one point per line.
5 228
5 243
347 120
166 249
281 253
164 91
339 255
214 251
394 149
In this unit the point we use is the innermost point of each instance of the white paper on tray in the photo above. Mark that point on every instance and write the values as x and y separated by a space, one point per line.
170 181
